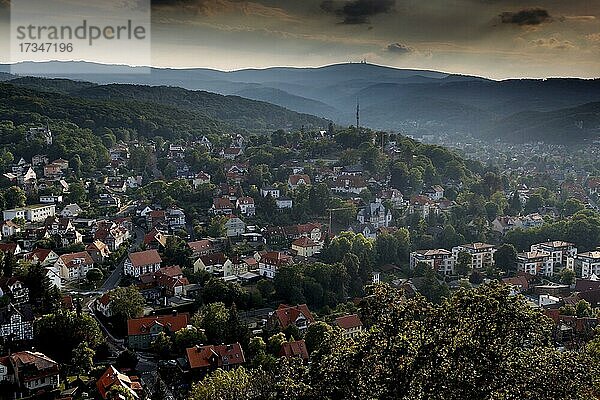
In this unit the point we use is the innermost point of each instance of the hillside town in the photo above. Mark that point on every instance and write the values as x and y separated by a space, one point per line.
180 258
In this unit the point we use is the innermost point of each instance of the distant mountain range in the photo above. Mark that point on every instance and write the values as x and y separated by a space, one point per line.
408 101
170 111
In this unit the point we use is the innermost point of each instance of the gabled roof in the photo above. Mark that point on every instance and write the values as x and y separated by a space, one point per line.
296 348
141 326
214 259
287 315
112 377
304 242
145 258
76 259
348 321
33 365
201 245
215 356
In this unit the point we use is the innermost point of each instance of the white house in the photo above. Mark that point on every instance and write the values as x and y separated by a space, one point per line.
375 214
270 191
235 226
535 262
439 259
284 202
33 213
142 262
585 264
306 247
74 265
482 254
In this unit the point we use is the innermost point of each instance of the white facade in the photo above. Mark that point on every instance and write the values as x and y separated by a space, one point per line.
585 264
35 213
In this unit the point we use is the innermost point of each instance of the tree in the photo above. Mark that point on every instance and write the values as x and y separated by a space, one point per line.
15 197
567 276
186 338
83 358
463 263
315 334
59 333
126 302
479 343
94 275
583 309
572 206
534 203
127 359
212 318
162 345
238 383
505 258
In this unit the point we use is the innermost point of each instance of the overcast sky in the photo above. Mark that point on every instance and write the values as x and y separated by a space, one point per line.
492 38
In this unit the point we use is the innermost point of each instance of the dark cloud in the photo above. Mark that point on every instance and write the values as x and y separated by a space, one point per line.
399 48
172 3
529 16
358 11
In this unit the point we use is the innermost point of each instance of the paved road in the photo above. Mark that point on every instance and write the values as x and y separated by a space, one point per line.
113 279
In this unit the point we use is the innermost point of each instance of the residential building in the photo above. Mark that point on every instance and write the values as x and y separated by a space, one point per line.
141 332
482 254
201 178
15 289
222 206
306 247
535 262
270 262
74 265
286 315
142 262
213 263
33 213
375 214
98 250
51 199
296 180
350 324
16 323
203 359
440 260
9 228
34 371
585 264
559 250
201 247
246 206
112 378
284 202
348 184
234 226
294 349
435 193
270 191
71 210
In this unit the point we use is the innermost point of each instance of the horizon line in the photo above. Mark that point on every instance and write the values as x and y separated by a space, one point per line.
188 68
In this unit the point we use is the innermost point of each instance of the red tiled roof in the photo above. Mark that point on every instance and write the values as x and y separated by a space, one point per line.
348 321
145 258
83 256
276 258
294 349
304 242
201 245
294 179
214 259
288 315
215 356
141 326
